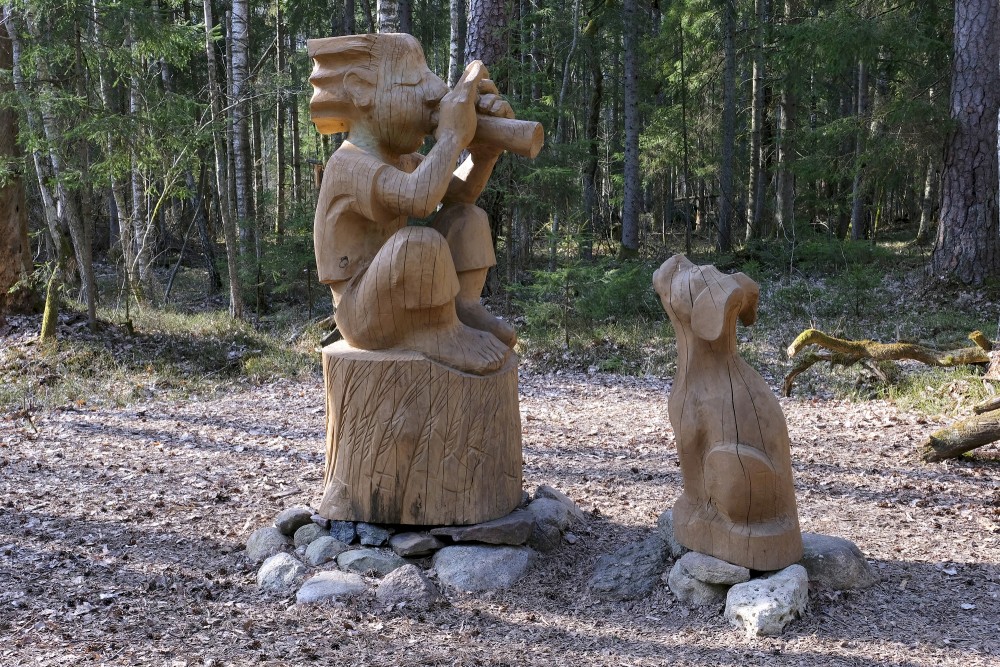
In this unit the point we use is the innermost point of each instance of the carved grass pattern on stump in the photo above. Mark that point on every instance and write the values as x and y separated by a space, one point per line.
738 502
440 447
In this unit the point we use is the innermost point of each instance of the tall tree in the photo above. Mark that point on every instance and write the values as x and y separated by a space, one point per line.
755 189
968 239
456 42
632 186
485 37
239 78
15 253
221 173
787 117
726 191
388 15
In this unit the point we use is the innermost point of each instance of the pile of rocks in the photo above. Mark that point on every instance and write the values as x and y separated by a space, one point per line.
761 603
335 560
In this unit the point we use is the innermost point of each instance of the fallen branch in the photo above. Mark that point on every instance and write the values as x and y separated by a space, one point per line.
988 405
962 436
849 352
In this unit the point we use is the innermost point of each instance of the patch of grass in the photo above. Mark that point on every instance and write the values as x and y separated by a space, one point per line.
168 354
938 391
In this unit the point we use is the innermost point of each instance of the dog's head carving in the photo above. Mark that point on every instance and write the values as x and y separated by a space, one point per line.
704 299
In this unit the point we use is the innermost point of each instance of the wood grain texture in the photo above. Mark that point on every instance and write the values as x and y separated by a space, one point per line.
413 442
738 502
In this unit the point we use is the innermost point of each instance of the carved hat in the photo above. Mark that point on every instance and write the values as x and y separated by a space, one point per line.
331 107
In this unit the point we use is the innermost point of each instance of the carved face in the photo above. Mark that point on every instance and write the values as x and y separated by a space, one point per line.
406 95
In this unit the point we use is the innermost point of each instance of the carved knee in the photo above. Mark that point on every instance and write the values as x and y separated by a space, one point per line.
420 269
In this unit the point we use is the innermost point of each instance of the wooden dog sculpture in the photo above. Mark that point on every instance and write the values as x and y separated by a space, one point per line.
738 502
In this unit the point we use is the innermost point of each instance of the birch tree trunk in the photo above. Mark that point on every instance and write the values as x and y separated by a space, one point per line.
388 15
632 187
968 243
456 45
239 78
221 174
857 188
279 123
927 201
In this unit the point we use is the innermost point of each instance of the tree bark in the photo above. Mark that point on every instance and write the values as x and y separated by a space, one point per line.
858 218
15 251
762 9
484 37
787 117
632 186
388 15
968 238
962 436
241 154
221 173
456 44
726 191
927 200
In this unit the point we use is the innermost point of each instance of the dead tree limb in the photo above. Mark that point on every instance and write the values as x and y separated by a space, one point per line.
848 352
962 436
989 405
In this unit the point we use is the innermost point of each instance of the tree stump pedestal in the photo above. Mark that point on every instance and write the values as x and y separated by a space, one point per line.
410 441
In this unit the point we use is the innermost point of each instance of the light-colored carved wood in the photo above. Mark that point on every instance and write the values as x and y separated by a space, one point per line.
738 502
423 421
410 441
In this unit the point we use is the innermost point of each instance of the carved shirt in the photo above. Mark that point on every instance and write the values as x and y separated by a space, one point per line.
351 225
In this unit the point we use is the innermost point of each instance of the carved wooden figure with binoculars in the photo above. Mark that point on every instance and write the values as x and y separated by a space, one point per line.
422 417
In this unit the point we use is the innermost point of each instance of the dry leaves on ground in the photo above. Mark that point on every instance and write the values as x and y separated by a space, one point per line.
121 534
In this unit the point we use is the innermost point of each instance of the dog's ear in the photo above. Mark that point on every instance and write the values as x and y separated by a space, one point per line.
715 303
751 297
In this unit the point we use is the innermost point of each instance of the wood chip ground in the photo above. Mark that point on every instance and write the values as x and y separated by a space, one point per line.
121 533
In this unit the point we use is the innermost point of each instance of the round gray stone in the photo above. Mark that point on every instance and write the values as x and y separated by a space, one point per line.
366 561
280 573
691 591
408 586
711 570
765 606
514 529
330 585
265 542
324 549
291 519
308 534
552 493
836 563
482 567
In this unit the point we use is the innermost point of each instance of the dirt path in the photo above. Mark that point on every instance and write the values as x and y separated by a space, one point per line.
121 532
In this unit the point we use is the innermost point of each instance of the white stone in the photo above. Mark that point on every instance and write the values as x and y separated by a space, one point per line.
690 591
711 570
765 606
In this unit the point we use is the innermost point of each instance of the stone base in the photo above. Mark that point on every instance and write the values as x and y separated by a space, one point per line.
413 442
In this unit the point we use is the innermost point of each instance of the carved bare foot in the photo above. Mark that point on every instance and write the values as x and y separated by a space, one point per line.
474 314
461 347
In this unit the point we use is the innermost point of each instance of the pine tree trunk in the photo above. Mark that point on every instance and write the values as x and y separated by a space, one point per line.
15 251
927 201
788 117
591 212
726 191
485 37
406 16
632 186
758 108
968 242
349 27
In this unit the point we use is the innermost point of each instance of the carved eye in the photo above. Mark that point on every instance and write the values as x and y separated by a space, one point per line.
343 262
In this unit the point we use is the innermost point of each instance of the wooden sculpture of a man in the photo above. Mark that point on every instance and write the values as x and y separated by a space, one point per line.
422 419
398 286
738 502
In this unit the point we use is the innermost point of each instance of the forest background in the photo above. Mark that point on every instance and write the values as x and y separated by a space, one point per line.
163 177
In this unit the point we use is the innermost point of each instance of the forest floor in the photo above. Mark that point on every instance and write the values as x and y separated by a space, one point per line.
122 529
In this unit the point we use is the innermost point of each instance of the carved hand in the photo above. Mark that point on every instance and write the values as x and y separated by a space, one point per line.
457 113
